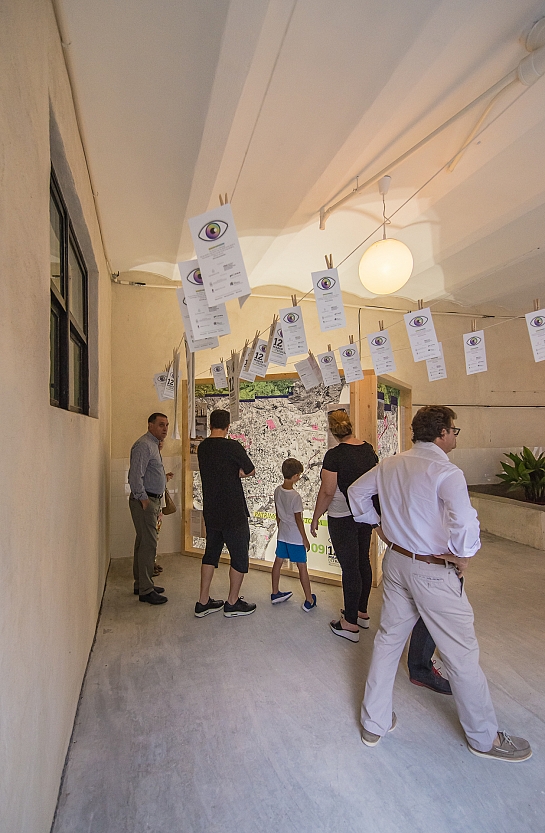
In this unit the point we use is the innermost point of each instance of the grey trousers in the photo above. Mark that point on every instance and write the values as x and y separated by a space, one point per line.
412 589
145 545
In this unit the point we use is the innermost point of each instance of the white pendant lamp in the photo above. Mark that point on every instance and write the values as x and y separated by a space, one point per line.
387 265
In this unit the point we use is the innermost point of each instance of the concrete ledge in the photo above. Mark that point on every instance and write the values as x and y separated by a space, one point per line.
511 519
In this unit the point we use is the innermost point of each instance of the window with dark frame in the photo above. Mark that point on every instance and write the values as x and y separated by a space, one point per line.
69 356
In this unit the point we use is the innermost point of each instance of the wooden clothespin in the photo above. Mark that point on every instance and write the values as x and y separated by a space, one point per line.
223 200
329 348
420 304
351 339
329 261
473 325
294 300
381 325
537 304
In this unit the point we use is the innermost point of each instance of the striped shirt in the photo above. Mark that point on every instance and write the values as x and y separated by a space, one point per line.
146 471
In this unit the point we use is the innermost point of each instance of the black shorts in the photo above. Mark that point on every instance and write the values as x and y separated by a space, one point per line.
237 541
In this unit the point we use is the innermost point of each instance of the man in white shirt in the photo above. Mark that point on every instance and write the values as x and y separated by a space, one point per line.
432 531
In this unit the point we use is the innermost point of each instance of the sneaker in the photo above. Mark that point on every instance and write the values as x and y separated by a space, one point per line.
153 598
434 681
338 630
276 598
363 623
240 608
370 739
211 606
307 605
510 749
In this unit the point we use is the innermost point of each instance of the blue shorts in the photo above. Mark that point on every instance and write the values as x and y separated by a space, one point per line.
295 552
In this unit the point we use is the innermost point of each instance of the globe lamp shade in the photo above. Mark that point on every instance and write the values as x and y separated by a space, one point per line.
386 266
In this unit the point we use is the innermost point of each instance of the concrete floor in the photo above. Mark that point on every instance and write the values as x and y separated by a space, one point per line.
219 725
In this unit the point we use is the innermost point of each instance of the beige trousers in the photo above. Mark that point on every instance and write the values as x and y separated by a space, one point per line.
145 544
412 589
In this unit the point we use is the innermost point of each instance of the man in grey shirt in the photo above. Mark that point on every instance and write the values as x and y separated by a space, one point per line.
147 480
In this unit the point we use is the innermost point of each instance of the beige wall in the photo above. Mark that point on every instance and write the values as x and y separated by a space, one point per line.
55 464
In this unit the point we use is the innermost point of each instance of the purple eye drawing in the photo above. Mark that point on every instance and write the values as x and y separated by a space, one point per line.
217 368
213 230
195 277
349 353
473 341
419 321
538 321
291 318
327 359
327 283
378 341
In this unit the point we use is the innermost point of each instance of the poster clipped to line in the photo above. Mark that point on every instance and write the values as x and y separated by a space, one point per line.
293 330
309 372
277 355
168 392
329 299
475 352
160 380
245 373
206 321
350 360
220 258
422 337
382 354
219 376
194 344
259 363
328 368
535 322
436 367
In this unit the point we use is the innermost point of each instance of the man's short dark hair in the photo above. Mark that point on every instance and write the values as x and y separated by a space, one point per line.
290 467
153 417
220 419
428 423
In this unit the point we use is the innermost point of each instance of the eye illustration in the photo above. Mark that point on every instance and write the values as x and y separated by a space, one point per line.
538 321
349 353
378 341
213 230
291 318
327 283
217 368
162 378
195 277
327 359
473 341
280 335
419 321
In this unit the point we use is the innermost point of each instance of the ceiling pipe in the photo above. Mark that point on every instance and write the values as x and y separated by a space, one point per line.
529 70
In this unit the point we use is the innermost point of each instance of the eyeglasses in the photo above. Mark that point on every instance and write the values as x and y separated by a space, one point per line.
455 431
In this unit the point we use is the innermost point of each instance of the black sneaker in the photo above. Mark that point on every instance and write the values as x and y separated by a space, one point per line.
211 606
240 608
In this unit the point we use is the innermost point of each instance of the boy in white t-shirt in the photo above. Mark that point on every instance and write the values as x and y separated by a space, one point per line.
292 539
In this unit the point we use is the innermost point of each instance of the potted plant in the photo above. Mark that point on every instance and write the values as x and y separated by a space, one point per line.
528 472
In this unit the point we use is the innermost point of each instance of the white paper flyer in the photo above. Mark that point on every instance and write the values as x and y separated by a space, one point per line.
194 344
475 352
160 380
436 367
259 362
293 329
381 352
308 373
206 321
536 328
329 299
350 360
278 354
421 332
219 375
328 368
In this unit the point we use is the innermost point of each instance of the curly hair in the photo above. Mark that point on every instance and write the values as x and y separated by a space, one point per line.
428 423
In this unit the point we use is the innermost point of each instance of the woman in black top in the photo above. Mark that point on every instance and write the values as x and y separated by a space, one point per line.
351 541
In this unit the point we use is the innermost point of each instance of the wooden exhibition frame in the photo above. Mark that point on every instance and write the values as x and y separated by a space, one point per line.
363 412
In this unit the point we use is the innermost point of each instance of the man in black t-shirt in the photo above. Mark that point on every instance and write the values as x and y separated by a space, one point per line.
222 464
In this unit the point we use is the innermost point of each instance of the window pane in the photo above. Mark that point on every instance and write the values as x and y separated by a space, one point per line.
76 375
55 354
55 236
77 287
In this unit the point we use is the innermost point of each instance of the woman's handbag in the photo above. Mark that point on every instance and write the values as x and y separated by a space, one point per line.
170 507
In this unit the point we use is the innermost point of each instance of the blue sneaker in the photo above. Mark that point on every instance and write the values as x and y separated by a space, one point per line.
276 598
307 605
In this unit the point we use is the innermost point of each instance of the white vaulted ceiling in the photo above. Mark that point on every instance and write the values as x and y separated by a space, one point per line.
283 103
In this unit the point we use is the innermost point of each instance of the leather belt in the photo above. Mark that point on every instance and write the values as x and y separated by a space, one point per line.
428 559
157 497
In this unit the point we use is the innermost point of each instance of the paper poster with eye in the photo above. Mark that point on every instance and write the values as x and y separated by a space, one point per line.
329 299
475 352
168 392
220 258
535 322
278 355
160 380
421 332
194 344
436 367
350 360
206 321
293 329
328 368
245 373
259 362
219 375
309 373
381 352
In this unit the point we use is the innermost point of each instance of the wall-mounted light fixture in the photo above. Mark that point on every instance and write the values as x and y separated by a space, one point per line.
387 265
